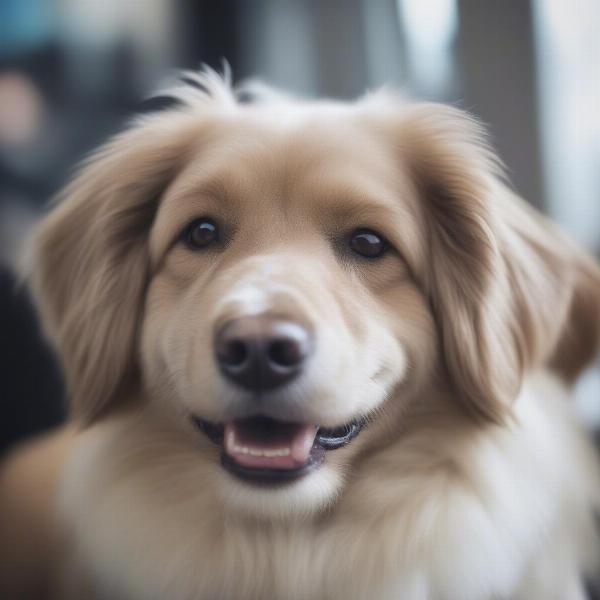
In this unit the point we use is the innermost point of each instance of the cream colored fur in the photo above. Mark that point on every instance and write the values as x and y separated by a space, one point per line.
472 479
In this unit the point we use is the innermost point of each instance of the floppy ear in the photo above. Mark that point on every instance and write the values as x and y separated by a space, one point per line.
509 292
88 263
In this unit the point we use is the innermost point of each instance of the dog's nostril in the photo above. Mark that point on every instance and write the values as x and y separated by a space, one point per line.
235 353
286 353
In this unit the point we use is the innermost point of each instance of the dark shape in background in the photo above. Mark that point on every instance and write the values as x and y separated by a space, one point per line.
31 390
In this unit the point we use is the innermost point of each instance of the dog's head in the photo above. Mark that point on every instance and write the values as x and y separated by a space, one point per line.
290 279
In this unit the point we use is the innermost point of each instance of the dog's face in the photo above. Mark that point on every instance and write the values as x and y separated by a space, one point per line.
281 312
283 282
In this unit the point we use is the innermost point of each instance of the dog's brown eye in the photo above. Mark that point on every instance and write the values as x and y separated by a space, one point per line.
367 243
201 233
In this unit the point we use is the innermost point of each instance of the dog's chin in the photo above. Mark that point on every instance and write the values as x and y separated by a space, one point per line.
300 498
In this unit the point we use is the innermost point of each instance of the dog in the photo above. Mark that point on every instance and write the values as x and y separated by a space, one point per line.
314 350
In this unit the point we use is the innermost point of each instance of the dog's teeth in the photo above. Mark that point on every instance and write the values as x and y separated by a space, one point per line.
258 452
230 442
279 452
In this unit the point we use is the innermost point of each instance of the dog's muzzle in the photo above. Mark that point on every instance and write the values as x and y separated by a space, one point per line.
259 354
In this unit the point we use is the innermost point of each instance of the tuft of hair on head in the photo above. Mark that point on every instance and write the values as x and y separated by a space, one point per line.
195 89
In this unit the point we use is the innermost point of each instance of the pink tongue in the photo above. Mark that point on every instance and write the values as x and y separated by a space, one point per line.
269 444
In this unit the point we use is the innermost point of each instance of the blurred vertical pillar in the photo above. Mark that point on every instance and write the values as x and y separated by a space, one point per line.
385 47
209 33
340 47
277 44
496 54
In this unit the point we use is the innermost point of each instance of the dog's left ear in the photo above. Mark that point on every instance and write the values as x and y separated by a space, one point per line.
509 292
89 264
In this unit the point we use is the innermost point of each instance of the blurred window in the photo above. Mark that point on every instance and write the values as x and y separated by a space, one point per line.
568 66
430 28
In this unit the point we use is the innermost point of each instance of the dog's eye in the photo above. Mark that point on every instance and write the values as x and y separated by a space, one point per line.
201 233
367 243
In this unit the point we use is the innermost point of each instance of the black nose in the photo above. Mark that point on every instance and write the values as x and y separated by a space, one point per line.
261 352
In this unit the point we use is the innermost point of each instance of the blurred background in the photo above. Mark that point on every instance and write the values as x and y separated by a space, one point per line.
73 71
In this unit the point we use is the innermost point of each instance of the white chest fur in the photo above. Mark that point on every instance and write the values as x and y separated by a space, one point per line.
497 513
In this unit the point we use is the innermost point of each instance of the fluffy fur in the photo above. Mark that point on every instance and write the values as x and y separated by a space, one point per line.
472 480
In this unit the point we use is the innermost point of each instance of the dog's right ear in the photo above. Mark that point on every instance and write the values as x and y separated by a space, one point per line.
88 261
508 292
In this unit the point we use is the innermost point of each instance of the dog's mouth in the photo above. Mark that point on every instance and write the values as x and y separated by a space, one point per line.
265 450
